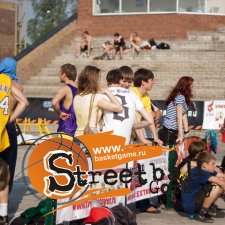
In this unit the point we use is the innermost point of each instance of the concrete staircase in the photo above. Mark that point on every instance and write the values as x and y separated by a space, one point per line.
200 57
208 36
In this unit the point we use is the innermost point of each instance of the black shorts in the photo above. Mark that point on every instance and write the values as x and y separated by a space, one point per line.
10 153
168 136
118 48
200 196
84 49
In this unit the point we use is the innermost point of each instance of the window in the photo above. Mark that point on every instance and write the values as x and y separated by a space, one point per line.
197 6
134 5
163 6
215 6
106 6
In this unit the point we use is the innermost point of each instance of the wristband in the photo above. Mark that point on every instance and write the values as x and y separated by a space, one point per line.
186 132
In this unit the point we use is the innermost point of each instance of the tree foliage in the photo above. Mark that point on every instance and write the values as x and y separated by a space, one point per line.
48 14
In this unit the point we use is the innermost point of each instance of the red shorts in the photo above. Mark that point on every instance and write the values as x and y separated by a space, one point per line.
223 137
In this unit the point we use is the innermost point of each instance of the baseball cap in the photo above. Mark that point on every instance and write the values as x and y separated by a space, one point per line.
99 213
8 67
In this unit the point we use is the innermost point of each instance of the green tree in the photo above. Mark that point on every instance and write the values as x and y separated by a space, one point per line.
48 14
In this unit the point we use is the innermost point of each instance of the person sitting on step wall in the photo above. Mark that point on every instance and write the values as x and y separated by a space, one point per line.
84 45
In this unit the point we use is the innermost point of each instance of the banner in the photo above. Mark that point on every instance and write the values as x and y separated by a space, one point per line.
39 108
42 108
157 176
195 112
155 168
214 114
82 210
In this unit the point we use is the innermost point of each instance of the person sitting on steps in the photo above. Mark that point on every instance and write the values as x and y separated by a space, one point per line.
135 42
84 45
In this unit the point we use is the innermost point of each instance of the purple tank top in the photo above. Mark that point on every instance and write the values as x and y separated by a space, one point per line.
68 126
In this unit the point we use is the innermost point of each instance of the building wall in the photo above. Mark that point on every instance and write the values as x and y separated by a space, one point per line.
32 63
7 29
162 26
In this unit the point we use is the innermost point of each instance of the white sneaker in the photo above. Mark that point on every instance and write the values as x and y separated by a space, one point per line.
84 55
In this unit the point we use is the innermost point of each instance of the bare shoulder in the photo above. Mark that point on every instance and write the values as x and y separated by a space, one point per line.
16 85
89 38
62 91
17 95
193 164
67 90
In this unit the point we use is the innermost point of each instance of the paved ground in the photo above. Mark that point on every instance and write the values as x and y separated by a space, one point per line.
21 199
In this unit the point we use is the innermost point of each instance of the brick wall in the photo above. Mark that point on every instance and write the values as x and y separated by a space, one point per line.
34 61
164 26
7 29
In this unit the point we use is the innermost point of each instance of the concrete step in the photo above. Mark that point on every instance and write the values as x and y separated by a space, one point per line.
221 29
162 86
38 91
201 89
186 45
156 55
206 36
211 62
202 57
169 66
208 76
164 72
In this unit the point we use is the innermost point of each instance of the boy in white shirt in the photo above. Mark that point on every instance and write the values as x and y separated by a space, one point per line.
122 123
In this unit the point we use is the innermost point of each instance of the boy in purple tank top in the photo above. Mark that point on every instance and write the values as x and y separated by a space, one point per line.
63 100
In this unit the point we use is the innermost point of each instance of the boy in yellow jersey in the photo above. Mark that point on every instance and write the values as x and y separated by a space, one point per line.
12 104
143 82
5 92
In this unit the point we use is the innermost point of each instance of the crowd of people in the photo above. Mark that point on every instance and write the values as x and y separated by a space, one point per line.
114 47
125 107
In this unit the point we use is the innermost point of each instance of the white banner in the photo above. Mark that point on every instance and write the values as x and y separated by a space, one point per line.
157 166
214 114
150 189
80 211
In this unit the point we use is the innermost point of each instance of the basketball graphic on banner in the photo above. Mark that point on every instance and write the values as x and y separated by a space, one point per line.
52 165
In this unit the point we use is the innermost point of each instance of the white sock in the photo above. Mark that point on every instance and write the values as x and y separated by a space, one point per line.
3 209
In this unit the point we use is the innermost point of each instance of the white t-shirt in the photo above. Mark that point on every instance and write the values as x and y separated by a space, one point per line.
122 123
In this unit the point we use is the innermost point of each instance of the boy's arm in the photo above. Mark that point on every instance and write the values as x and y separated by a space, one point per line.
218 181
58 97
89 46
179 123
139 132
220 174
185 124
140 125
22 102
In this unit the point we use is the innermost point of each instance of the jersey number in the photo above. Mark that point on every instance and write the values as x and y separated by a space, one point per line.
116 115
4 104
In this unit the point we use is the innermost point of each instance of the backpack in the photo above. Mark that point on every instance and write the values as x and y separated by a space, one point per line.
152 42
211 141
21 221
123 215
34 215
177 184
222 166
163 45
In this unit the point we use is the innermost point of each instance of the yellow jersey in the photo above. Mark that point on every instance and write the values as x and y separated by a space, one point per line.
145 99
5 93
